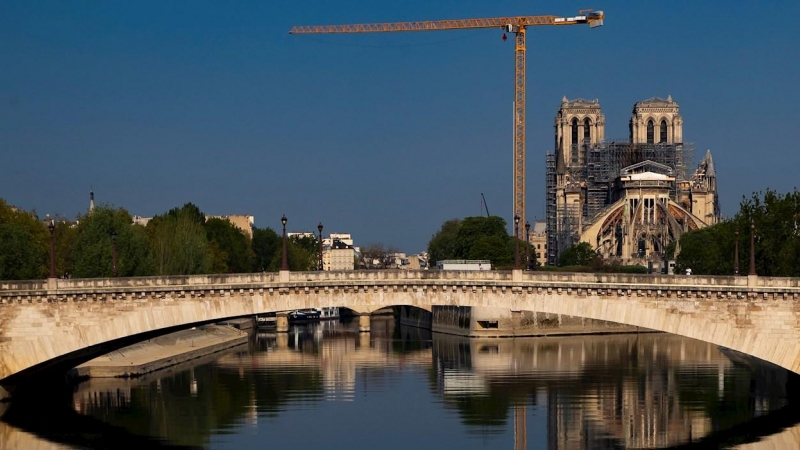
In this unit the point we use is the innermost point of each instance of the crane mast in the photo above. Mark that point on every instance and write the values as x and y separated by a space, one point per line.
516 25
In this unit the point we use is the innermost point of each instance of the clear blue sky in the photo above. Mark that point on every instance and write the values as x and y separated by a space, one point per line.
158 103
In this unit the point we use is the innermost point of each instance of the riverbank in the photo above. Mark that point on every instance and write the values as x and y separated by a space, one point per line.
162 352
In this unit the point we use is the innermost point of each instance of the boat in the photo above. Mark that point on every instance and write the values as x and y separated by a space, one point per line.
330 313
304 315
266 321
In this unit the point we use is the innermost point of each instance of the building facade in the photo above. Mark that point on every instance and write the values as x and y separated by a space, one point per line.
628 198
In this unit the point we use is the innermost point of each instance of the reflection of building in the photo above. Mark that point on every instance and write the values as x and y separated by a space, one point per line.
629 199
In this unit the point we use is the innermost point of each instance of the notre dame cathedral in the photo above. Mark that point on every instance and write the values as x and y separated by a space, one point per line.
628 198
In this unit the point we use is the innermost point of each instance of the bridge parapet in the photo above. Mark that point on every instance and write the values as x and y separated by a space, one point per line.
44 323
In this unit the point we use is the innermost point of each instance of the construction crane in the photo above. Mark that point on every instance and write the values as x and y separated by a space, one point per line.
485 205
516 25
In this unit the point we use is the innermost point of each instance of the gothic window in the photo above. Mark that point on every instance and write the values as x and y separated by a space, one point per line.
587 130
663 137
650 131
574 131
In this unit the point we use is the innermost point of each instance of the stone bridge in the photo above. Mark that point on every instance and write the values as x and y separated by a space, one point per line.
52 325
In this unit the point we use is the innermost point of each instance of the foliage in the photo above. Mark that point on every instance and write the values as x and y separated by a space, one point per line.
92 250
477 238
24 242
265 245
776 217
579 254
178 242
229 247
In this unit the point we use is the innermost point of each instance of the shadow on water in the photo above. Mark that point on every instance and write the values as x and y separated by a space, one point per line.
51 418
589 388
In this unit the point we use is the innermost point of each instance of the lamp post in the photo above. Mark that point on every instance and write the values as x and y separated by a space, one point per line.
736 252
114 254
51 225
752 248
527 245
285 260
516 242
319 227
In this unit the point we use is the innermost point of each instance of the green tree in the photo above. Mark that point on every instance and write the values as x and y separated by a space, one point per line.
229 246
579 254
92 251
475 238
777 239
444 244
24 244
265 245
178 242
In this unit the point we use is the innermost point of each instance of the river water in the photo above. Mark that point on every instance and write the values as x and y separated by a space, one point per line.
325 386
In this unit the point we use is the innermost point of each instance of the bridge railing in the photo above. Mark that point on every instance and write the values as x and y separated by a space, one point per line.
221 281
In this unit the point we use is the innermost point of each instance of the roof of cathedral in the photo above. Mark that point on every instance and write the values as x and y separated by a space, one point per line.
657 101
579 100
710 172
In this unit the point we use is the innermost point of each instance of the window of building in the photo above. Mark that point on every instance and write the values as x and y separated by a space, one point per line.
587 130
574 131
663 137
650 131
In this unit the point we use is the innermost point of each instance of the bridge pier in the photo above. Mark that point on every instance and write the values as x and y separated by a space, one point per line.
282 322
364 323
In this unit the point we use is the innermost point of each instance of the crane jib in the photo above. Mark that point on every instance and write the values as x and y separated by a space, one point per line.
456 24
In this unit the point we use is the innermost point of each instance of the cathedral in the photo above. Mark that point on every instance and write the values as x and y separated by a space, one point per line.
628 198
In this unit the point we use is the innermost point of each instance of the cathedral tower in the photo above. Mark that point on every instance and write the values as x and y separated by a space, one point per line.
656 121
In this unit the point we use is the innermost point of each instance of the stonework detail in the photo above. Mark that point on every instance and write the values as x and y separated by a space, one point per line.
76 320
629 199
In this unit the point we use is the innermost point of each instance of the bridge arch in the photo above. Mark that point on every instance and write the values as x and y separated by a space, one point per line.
42 322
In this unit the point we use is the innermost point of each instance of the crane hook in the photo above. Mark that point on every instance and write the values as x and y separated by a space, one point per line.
504 37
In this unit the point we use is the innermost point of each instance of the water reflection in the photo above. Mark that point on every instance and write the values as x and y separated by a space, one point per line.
580 392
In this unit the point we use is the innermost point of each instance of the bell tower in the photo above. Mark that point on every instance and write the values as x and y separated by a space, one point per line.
656 121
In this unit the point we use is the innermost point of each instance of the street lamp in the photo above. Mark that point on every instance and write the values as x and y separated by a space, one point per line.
752 248
51 225
285 263
516 242
114 254
736 252
527 245
319 227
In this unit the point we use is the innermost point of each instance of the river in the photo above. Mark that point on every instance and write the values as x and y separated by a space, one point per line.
325 386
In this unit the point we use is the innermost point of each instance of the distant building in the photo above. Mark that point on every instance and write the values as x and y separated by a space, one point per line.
139 220
240 221
338 256
538 241
464 264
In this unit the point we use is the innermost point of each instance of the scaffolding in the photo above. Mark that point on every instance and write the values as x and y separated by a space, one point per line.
595 171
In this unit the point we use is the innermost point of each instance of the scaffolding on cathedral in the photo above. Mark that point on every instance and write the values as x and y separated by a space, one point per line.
595 176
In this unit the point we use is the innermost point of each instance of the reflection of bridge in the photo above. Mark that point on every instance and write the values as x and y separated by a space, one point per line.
56 324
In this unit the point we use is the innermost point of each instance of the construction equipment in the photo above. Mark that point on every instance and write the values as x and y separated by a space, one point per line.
485 205
516 25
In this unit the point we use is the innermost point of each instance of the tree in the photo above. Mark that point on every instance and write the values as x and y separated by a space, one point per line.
474 238
92 251
178 242
443 245
229 246
579 254
378 256
24 243
777 239
265 245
